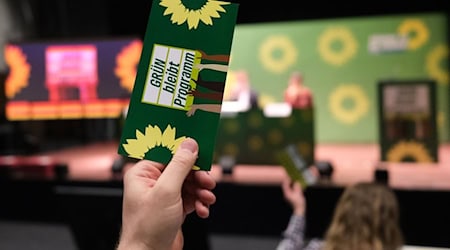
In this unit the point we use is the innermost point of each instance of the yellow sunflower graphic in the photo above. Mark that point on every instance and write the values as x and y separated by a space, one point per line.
231 126
287 122
255 143
126 64
408 150
19 69
353 93
255 120
275 136
204 11
434 62
305 148
231 149
151 138
277 44
341 36
416 31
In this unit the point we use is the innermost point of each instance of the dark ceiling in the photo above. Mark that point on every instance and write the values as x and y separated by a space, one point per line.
87 18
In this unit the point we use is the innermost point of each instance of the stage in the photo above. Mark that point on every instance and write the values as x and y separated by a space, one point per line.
351 163
88 197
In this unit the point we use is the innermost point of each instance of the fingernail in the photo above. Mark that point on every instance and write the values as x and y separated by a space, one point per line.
189 144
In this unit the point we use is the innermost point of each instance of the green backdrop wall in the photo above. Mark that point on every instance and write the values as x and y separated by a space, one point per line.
342 61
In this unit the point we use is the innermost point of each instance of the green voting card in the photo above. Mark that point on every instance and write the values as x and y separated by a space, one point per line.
295 166
180 80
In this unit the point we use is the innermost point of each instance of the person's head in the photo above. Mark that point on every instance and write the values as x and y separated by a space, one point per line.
242 79
296 78
365 218
241 84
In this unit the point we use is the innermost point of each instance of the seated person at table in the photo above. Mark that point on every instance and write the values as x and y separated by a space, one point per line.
242 91
366 217
297 94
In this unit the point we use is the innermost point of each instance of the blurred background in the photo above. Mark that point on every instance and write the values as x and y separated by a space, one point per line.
272 32
66 176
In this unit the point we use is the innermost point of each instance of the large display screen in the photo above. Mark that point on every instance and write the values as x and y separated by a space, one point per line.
70 79
407 120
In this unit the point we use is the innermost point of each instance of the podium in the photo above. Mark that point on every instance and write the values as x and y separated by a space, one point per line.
252 138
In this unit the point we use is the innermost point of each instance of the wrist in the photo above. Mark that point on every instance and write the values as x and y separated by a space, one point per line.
132 243
124 245
299 211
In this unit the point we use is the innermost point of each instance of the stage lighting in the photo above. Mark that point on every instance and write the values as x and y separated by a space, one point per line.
118 165
381 175
325 169
61 170
227 163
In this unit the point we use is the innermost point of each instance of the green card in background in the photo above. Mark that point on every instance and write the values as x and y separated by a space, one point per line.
295 166
179 86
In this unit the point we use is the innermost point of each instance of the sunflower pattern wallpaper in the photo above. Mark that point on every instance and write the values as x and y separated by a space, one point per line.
342 61
180 80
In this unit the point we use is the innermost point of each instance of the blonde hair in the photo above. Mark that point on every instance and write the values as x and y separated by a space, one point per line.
366 218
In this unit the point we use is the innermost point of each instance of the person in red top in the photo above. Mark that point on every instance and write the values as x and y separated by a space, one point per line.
297 94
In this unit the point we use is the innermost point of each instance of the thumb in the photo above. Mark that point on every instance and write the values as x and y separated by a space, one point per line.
181 164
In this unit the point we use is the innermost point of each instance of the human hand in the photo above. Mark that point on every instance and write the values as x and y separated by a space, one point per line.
192 110
293 194
157 198
199 66
193 92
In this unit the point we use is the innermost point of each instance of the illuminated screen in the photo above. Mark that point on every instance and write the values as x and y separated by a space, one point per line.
70 80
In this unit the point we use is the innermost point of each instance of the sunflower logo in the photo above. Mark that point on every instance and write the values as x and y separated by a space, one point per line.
255 120
231 126
231 149
353 94
275 136
194 13
19 70
434 62
416 31
277 53
152 139
255 143
305 148
408 151
126 64
287 121
337 45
